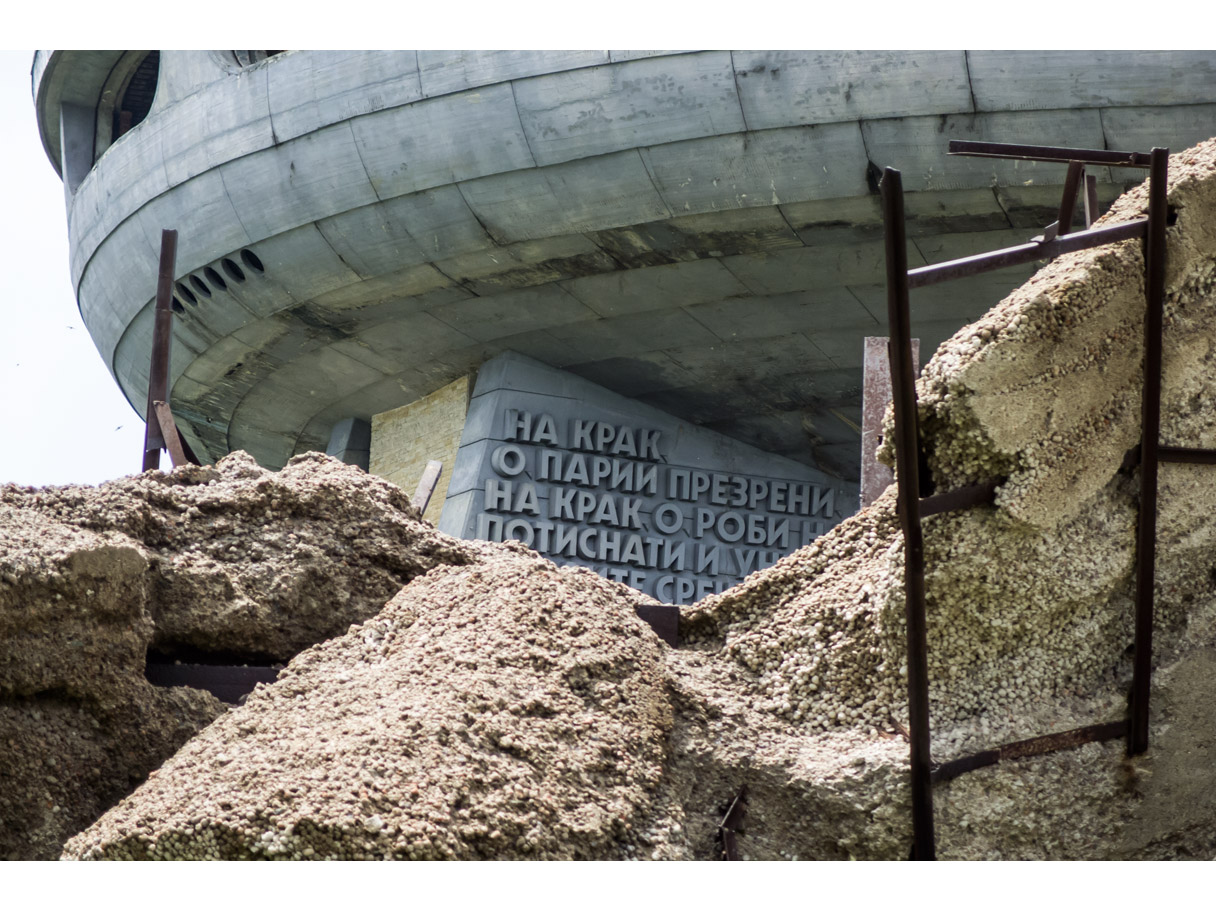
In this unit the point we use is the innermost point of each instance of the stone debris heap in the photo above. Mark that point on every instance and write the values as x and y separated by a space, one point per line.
231 561
505 708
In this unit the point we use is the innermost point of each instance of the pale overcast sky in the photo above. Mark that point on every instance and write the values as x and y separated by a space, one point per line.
62 416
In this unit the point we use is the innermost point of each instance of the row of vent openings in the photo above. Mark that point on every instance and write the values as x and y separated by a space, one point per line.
212 275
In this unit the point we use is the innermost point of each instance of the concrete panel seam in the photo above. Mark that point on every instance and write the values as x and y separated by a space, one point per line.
702 324
520 120
606 252
739 279
811 341
644 155
362 164
870 163
498 242
650 177
857 298
970 85
997 196
734 75
235 208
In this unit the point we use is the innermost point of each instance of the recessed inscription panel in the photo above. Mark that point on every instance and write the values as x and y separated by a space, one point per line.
588 477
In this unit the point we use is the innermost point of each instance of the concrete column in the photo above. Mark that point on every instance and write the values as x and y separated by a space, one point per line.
351 441
76 124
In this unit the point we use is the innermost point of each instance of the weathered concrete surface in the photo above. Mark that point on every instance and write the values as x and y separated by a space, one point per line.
512 709
403 250
232 560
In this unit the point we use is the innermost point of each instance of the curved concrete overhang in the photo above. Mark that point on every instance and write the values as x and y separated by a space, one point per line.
698 230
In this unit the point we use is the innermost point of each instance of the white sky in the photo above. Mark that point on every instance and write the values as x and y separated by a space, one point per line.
62 416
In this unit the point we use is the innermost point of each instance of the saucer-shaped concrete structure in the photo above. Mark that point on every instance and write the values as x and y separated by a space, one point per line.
696 230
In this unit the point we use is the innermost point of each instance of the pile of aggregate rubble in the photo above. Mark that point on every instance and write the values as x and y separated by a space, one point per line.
501 707
231 561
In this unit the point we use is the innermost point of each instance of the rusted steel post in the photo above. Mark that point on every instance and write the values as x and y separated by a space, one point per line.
158 371
168 430
1068 200
1091 200
1146 531
907 448
875 394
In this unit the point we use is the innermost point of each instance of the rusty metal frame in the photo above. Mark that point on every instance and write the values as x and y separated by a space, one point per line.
158 370
160 430
1058 238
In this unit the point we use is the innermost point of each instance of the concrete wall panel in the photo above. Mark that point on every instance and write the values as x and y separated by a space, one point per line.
621 56
631 334
228 121
635 375
730 231
604 109
764 168
396 294
527 263
299 181
836 221
372 239
739 318
303 264
107 197
812 268
630 291
184 73
604 192
437 221
443 72
110 296
784 88
310 91
281 337
1016 80
1140 129
442 140
207 220
395 345
485 319
1033 207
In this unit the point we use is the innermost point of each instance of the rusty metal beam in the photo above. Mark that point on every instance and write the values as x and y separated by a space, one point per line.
1068 199
907 476
1192 455
1031 747
1091 200
959 499
1025 253
168 430
158 371
1048 153
1146 529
